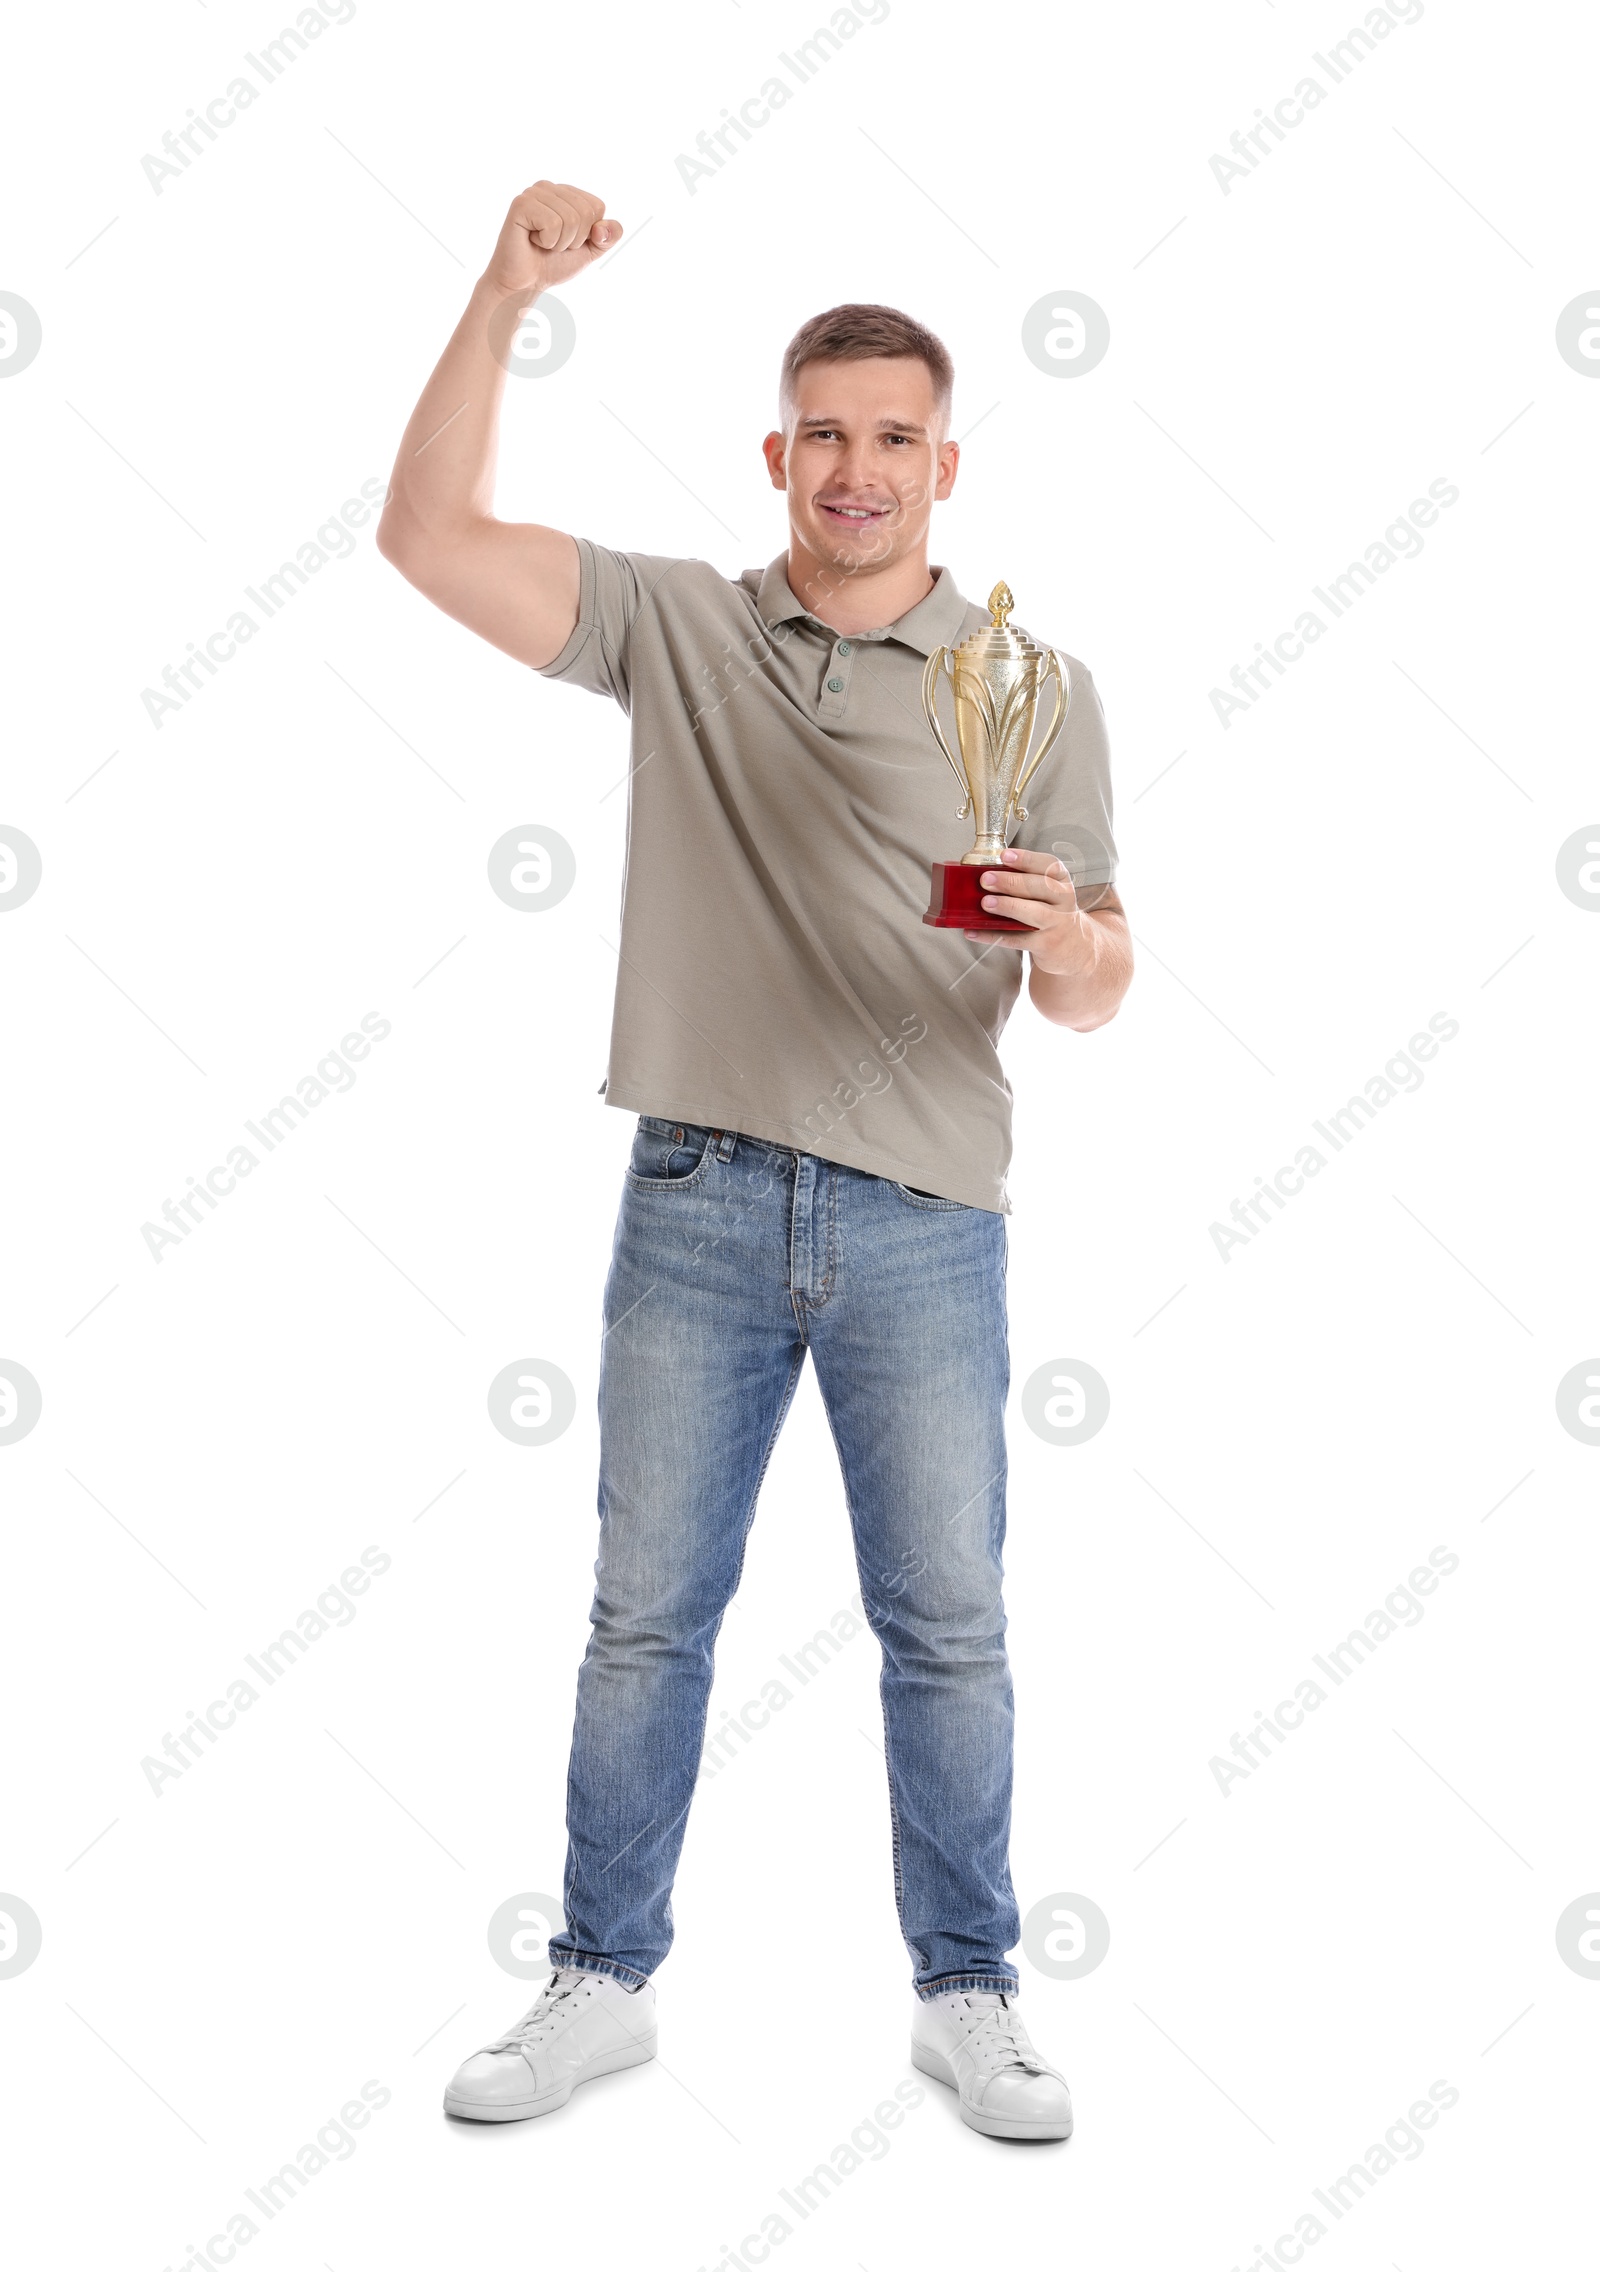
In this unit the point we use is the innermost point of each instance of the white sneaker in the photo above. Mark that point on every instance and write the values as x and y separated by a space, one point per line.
584 2024
975 2041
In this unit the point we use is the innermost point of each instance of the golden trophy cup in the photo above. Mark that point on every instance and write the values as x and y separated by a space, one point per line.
998 678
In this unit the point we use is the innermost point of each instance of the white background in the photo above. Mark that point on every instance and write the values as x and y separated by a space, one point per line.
1373 1376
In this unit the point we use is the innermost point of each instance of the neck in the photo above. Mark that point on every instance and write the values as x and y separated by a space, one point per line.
858 599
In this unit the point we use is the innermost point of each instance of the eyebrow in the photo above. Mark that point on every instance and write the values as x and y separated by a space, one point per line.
885 425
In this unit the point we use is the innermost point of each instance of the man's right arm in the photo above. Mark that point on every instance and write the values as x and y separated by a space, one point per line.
513 582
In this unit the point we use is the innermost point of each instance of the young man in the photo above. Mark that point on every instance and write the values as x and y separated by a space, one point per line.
820 1156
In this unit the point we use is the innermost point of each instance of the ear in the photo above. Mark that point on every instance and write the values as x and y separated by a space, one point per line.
775 450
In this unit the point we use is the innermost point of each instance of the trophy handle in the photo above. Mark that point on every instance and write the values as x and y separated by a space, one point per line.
937 662
1058 670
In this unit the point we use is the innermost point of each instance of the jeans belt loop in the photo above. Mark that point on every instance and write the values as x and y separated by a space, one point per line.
726 1140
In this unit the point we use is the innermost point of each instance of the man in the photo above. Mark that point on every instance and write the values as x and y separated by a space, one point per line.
820 1156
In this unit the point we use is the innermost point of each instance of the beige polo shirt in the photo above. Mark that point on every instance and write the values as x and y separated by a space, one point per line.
785 801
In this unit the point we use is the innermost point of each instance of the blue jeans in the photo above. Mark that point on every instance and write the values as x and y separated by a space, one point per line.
733 1257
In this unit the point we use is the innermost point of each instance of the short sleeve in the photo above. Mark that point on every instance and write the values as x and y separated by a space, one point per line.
614 591
1069 798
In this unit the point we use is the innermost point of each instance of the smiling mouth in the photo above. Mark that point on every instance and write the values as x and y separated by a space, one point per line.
855 516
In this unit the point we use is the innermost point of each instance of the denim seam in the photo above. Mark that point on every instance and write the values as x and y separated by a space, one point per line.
795 1364
830 1248
578 1961
829 1207
949 1983
883 1704
797 1300
997 1981
782 1414
894 1810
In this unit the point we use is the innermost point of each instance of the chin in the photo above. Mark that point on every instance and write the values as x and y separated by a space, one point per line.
867 551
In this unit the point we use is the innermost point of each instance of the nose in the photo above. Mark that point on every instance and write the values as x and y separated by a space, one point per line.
856 472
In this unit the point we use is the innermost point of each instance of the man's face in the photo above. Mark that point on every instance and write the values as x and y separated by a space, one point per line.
864 461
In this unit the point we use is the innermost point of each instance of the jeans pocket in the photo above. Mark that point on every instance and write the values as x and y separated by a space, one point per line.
668 1155
931 1199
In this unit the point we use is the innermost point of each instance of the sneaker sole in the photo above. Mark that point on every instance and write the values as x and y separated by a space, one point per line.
934 2063
525 2109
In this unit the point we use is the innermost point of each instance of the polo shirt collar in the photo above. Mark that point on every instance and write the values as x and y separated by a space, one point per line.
934 622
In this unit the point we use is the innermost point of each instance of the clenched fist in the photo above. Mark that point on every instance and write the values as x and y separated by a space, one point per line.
551 232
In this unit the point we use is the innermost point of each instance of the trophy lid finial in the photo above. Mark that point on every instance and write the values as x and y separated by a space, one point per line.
1000 605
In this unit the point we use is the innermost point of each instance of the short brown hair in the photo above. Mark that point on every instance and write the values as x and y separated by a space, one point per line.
859 329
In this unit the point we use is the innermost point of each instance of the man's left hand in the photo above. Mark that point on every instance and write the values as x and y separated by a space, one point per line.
1035 888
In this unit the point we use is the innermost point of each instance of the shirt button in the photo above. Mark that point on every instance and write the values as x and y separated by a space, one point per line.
836 686
844 646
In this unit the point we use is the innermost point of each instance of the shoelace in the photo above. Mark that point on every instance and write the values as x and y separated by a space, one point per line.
552 2009
995 2037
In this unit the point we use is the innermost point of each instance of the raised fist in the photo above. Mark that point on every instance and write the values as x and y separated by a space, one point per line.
551 232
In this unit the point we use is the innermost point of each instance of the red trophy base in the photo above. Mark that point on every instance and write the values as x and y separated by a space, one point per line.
956 901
